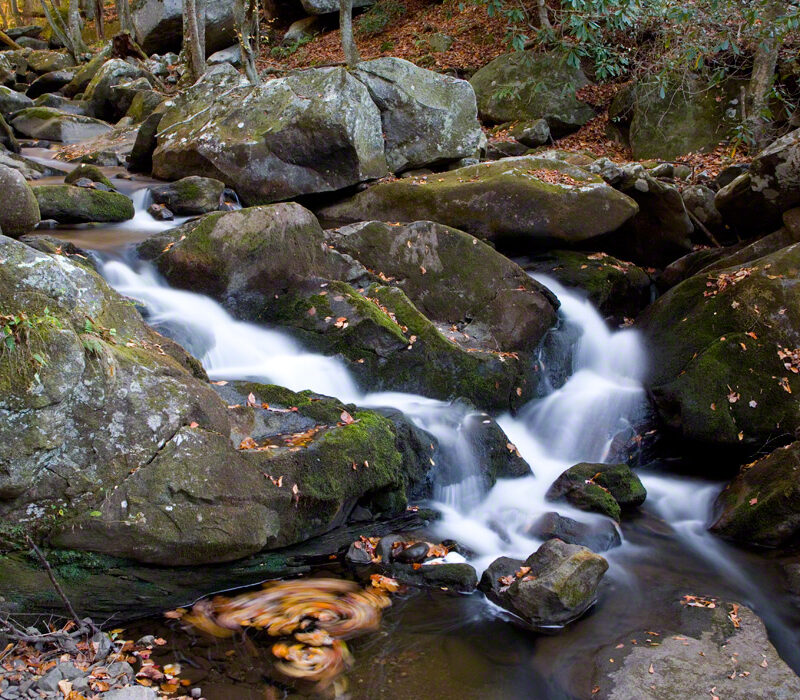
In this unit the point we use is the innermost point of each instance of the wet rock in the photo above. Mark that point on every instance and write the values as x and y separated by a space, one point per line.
49 82
158 25
90 172
29 169
503 201
523 86
12 101
74 205
55 125
461 577
619 289
761 506
356 554
716 374
20 213
698 649
55 246
415 554
599 536
141 156
603 488
160 212
386 545
754 202
427 118
190 195
255 139
560 585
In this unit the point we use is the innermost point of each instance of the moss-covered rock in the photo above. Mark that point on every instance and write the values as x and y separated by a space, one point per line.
92 172
522 86
20 213
524 201
12 101
189 195
761 506
100 93
143 104
723 346
68 204
83 76
46 61
55 125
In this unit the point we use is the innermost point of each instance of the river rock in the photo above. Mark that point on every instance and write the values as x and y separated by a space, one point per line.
30 170
12 101
460 577
754 202
723 346
761 506
255 139
523 86
68 204
559 586
91 172
62 104
101 93
143 104
50 82
189 195
603 488
509 201
699 649
7 139
158 25
599 536
54 125
20 213
141 155
48 61
427 118
619 289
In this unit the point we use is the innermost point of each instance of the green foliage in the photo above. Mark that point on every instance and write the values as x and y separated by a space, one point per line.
21 341
286 51
378 17
94 337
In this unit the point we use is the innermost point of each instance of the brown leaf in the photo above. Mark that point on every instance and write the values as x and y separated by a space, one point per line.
251 400
346 418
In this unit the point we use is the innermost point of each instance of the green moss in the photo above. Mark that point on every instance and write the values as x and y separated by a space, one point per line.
324 410
92 172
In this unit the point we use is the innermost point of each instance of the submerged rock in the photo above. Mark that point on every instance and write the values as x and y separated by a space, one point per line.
69 204
599 536
20 212
604 488
55 125
189 195
524 201
551 588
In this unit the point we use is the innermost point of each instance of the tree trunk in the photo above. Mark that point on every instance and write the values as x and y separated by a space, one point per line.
351 55
764 63
99 20
194 37
544 20
125 17
27 10
60 29
249 32
75 26
3 15
15 11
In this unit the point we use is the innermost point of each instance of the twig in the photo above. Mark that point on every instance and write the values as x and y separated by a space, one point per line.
57 586
702 227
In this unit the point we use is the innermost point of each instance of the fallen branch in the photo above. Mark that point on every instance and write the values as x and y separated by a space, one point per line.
8 41
703 228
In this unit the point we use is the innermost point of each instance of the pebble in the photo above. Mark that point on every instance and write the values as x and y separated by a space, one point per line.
414 554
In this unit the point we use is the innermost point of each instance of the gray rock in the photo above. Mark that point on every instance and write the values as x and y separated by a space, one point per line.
356 554
62 104
461 578
427 118
29 30
304 28
29 169
232 55
141 156
599 536
324 7
54 125
133 693
20 213
158 25
69 204
47 61
101 94
35 44
438 42
160 213
7 138
50 82
50 680
12 101
85 73
190 195
531 133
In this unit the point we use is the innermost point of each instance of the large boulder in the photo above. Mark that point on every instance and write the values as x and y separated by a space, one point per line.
324 7
427 118
54 125
315 131
68 204
523 86
724 348
524 201
761 506
83 75
754 202
158 25
12 101
598 535
8 72
20 213
705 648
551 588
43 62
49 82
101 93
189 195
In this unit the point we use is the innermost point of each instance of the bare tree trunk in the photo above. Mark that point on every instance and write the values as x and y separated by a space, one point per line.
60 30
194 37
246 17
544 20
99 19
125 17
15 11
351 55
766 58
27 10
3 15
75 26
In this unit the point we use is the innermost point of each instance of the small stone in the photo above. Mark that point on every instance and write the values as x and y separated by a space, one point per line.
357 554
160 213
148 640
49 682
414 554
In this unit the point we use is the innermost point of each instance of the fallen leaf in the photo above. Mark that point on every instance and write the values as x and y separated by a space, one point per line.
753 501
346 418
251 399
651 669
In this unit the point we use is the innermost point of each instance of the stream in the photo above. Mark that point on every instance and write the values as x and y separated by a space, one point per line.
453 646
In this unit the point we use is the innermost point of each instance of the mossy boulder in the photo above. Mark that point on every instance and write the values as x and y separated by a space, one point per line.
43 62
100 93
68 204
315 131
84 74
49 83
619 289
761 506
55 125
20 214
190 195
91 172
523 86
604 488
723 346
12 101
524 201
143 104
557 585
755 201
